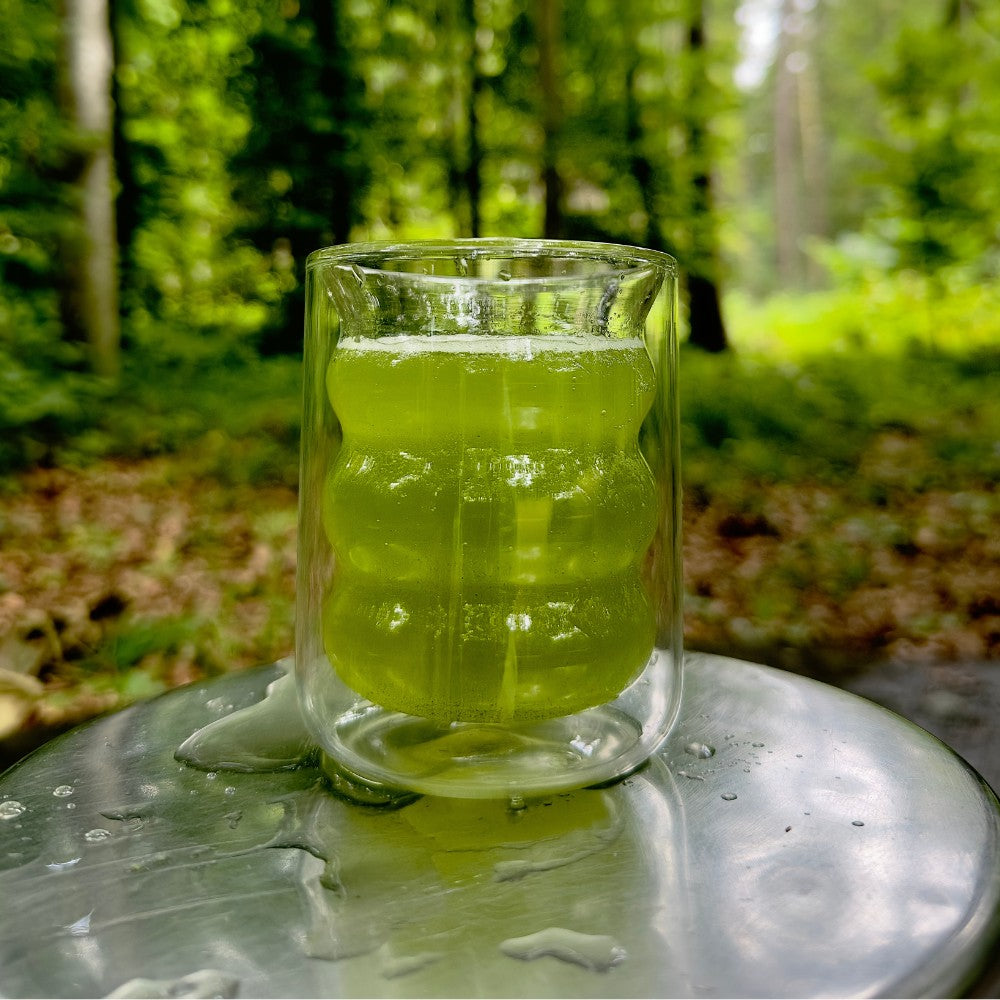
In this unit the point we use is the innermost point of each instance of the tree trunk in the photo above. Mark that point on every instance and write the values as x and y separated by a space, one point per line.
128 200
548 12
90 298
639 163
708 330
814 180
787 217
465 151
339 194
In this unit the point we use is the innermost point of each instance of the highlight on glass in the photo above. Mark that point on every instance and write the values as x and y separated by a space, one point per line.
489 584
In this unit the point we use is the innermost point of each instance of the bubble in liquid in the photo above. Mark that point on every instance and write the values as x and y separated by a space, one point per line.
96 835
728 796
62 791
11 809
504 275
701 750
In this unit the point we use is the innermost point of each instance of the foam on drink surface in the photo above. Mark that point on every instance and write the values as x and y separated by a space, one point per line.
525 347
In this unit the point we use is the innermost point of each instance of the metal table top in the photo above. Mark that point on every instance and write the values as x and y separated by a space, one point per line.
789 840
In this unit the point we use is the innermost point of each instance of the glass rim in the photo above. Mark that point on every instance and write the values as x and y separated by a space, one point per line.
621 259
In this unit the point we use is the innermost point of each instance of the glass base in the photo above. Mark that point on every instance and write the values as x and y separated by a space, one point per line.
390 750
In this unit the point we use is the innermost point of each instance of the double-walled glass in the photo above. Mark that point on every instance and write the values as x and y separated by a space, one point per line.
489 554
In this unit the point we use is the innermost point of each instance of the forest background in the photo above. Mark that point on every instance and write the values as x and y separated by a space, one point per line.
824 171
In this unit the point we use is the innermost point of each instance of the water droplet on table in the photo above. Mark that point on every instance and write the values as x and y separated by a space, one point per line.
857 822
61 866
701 750
393 966
96 835
62 791
728 796
203 983
596 952
11 809
81 927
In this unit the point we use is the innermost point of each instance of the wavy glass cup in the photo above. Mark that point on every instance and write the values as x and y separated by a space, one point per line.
489 582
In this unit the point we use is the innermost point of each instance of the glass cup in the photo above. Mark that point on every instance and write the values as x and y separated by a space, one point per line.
489 583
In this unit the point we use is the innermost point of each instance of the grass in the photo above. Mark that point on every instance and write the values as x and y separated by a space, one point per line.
744 418
236 423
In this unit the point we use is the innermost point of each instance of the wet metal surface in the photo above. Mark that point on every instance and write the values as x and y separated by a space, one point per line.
789 840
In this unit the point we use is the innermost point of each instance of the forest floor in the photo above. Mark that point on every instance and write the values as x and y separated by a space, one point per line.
124 579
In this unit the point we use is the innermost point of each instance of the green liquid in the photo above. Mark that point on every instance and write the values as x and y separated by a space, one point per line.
490 513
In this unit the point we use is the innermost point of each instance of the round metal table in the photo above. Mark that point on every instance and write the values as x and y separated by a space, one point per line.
789 840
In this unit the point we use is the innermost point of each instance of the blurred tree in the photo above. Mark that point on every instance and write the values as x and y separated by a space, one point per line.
938 148
548 16
787 195
300 173
640 102
89 251
197 292
128 217
801 189
703 266
46 389
461 27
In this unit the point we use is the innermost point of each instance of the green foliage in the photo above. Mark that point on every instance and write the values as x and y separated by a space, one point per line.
42 392
939 147
248 134
194 293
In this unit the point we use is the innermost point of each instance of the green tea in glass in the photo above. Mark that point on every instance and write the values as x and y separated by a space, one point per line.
488 593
